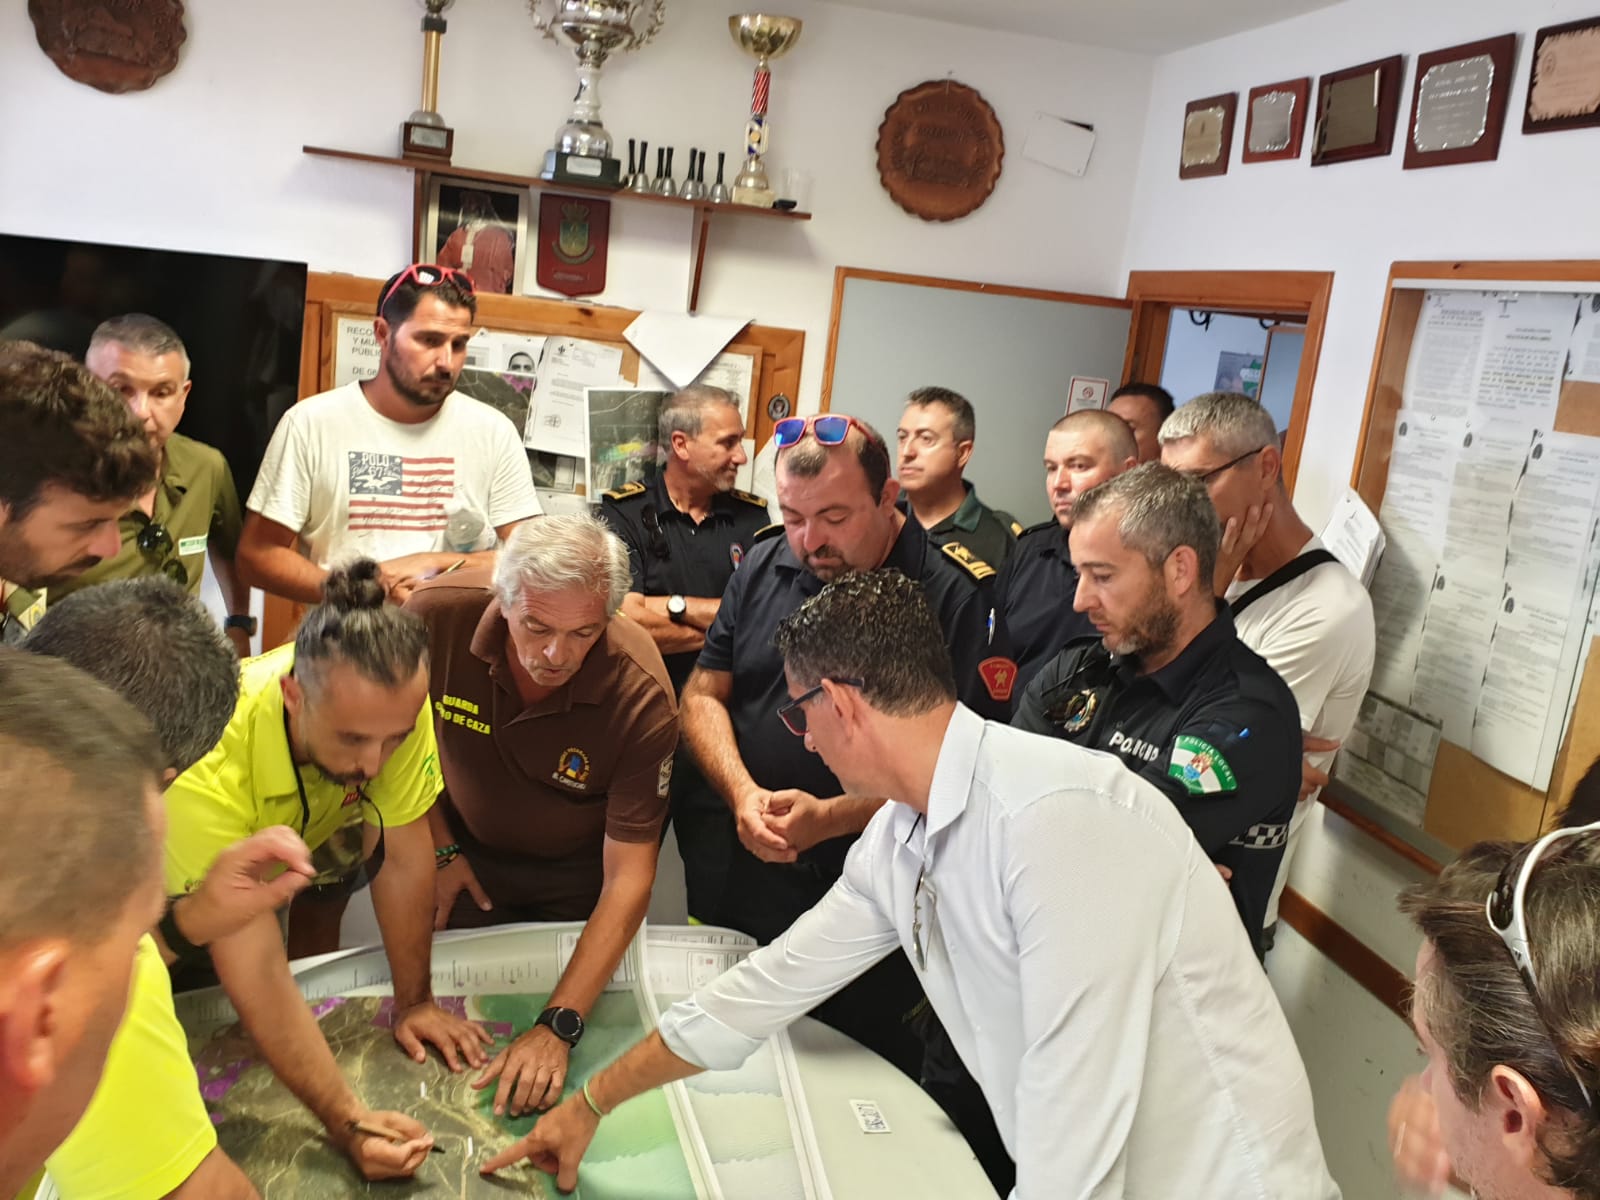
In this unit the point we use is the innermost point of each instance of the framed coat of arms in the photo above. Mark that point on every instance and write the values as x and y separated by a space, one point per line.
573 236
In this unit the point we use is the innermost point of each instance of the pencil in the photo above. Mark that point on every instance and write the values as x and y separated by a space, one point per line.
385 1134
455 566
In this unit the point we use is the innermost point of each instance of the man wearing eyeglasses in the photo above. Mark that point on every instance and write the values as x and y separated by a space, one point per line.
1293 603
192 512
71 461
400 468
1167 686
333 737
1068 930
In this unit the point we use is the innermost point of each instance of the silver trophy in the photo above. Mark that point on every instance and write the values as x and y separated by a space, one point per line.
597 28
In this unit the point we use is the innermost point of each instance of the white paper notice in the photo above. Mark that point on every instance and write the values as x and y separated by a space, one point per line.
1525 660
1400 590
1444 353
681 345
734 374
1421 469
1354 537
1526 336
1553 515
515 353
355 350
569 366
1388 757
1454 649
1583 363
1478 522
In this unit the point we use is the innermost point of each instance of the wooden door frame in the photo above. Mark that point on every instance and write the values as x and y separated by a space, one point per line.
1265 293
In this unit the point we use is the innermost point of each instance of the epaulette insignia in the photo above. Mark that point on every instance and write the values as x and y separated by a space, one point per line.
628 489
1050 524
967 561
748 498
1016 529
765 532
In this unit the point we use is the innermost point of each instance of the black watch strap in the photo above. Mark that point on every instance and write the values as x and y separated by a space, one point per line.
565 1023
241 621
181 946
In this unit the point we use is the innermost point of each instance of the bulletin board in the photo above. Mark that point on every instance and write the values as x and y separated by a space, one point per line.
776 353
1467 798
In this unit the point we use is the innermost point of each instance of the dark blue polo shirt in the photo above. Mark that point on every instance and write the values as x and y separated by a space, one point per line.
1034 617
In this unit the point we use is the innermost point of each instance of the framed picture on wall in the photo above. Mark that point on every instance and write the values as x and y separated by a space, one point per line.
479 228
1564 84
1356 112
1207 136
1458 103
1275 120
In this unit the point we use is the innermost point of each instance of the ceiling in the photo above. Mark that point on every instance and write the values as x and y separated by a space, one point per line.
1141 26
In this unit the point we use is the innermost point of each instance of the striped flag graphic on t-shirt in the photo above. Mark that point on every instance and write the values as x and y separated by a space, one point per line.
395 492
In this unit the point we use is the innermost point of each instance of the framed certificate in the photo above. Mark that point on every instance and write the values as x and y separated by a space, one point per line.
1564 84
1207 136
1275 120
1458 103
1356 112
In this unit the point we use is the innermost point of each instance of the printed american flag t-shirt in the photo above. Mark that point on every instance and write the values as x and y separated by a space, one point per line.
399 493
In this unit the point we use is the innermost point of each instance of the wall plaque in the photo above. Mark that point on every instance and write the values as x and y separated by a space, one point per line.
112 45
1458 104
1356 112
939 150
1564 85
1207 136
1275 120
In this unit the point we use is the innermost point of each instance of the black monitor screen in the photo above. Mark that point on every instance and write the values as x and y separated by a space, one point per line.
239 318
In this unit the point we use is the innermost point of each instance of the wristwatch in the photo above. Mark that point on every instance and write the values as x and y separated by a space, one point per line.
241 621
677 609
565 1023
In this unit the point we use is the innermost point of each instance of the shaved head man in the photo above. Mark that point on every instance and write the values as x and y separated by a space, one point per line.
1143 406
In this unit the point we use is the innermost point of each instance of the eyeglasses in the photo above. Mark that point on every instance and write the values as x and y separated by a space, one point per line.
428 275
793 715
828 429
155 543
1208 476
659 546
1508 917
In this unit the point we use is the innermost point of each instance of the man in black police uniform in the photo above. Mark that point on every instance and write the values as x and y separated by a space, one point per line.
1034 617
1168 687
785 819
936 436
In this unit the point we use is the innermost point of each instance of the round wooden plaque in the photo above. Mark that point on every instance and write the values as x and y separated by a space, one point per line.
939 150
122 47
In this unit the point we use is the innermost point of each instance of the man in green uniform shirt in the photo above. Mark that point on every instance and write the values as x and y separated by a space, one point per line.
192 512
936 436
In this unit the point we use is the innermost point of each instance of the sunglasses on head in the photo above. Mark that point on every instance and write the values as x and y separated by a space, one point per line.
828 429
155 543
427 275
793 714
1508 917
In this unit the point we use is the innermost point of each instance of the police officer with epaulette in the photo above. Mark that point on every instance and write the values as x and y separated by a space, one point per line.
936 436
1034 617
689 528
1168 687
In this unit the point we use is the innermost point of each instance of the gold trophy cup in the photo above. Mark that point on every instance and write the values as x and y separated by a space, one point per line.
765 38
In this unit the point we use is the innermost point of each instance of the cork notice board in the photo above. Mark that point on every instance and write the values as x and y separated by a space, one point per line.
1469 800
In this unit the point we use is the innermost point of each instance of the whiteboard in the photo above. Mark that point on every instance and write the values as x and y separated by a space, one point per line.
1012 356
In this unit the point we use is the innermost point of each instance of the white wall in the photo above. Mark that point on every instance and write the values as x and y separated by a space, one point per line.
210 157
1355 219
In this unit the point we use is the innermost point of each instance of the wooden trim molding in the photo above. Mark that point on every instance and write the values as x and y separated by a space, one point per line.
1368 968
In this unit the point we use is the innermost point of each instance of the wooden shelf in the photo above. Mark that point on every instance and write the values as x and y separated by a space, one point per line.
704 211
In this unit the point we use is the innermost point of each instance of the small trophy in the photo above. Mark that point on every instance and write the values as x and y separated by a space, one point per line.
767 38
597 28
424 133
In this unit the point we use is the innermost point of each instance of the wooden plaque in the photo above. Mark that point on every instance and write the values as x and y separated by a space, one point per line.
1564 83
1356 112
124 47
1458 103
1275 121
939 150
1207 136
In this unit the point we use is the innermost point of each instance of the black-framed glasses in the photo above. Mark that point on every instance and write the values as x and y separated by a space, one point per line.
792 712
658 536
1208 476
155 543
1508 916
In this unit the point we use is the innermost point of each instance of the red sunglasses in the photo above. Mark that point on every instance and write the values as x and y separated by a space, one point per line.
428 275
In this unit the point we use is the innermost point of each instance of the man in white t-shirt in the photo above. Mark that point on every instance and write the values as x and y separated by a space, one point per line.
400 468
1293 603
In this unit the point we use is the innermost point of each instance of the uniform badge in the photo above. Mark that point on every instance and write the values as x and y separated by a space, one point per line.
1200 766
664 778
573 768
736 553
999 677
1079 709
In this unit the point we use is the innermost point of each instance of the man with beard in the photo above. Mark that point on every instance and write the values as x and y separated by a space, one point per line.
72 459
1167 686
400 468
333 737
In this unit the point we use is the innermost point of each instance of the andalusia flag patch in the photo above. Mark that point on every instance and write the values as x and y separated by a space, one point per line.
1201 767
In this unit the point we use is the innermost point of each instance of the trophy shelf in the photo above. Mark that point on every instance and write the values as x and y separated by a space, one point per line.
704 210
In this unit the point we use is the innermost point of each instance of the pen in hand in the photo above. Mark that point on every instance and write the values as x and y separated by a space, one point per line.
386 1134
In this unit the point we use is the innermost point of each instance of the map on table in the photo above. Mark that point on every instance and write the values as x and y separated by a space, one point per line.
637 1153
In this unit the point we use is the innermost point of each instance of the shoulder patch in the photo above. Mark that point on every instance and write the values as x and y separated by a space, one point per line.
748 498
628 489
1200 766
967 561
1041 527
765 532
1016 528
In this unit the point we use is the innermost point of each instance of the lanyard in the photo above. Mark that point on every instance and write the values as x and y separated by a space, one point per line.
353 880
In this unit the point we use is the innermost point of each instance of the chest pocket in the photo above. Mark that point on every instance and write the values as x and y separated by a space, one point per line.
576 779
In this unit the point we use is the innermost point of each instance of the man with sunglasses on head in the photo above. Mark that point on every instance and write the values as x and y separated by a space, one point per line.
400 468
333 737
192 511
1506 1006
1293 603
1070 934
72 460
1166 686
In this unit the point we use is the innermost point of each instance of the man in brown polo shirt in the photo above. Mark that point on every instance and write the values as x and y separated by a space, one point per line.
556 725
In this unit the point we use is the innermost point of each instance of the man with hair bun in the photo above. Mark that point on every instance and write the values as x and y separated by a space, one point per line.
332 737
556 726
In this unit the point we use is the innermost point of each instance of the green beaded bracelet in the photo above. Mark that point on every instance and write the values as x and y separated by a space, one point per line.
449 851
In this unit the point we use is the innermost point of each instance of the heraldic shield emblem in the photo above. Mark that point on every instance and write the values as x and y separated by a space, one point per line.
573 237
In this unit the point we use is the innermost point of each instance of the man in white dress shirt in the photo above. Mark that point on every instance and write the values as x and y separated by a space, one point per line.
1124 1036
